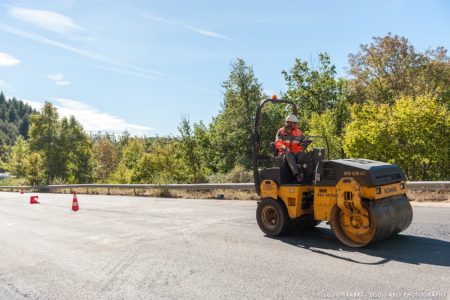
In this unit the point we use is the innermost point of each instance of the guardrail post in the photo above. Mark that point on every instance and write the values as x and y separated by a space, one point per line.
108 193
134 191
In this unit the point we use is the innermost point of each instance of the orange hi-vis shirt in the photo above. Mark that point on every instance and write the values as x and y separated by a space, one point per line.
292 141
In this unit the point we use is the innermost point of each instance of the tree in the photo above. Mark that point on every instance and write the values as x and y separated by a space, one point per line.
321 99
107 158
232 128
390 67
64 147
191 152
34 167
14 119
415 139
324 125
17 156
163 164
44 138
314 90
77 149
132 152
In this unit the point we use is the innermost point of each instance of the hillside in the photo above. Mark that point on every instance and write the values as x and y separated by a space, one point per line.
14 119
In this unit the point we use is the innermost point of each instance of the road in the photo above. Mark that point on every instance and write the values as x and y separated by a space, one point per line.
145 248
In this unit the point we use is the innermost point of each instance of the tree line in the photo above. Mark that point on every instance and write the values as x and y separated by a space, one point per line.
392 106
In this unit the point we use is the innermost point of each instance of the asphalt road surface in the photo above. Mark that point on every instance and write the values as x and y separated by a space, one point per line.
148 248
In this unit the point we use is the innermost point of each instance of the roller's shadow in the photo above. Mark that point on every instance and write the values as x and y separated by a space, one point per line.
402 248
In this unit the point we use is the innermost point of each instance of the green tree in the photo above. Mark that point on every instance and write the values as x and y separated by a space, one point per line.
44 138
14 119
390 67
163 164
191 152
132 152
107 158
325 125
34 167
65 148
77 150
415 139
314 90
232 128
203 139
16 160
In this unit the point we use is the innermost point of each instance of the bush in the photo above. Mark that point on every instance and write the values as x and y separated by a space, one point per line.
237 175
412 133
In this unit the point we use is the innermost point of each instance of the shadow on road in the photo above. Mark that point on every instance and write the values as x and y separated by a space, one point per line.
403 248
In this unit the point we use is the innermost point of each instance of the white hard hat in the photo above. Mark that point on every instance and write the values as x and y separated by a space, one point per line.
291 118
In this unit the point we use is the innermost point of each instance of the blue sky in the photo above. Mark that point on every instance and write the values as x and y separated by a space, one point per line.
141 65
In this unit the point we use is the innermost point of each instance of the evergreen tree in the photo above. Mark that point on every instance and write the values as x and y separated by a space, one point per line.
232 128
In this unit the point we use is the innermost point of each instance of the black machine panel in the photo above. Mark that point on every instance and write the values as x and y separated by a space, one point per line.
366 172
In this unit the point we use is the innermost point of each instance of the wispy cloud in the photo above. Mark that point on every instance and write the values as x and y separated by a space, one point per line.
91 118
7 60
85 53
58 79
80 38
201 31
45 19
34 104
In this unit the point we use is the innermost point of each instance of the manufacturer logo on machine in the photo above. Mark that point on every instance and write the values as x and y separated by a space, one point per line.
390 189
355 173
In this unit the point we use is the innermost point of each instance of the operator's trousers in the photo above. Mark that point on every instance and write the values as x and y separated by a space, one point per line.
292 161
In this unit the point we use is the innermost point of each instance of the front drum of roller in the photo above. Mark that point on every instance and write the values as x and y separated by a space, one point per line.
387 217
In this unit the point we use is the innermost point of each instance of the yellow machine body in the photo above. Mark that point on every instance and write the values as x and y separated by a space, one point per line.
347 195
326 197
292 196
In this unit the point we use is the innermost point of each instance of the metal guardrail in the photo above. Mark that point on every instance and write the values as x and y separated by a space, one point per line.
411 185
428 185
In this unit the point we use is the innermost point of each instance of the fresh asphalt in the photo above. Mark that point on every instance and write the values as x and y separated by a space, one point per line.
118 247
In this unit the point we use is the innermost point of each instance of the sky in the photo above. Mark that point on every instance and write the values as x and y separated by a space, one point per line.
141 66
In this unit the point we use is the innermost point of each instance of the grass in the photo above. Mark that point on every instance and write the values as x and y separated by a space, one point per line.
429 196
12 181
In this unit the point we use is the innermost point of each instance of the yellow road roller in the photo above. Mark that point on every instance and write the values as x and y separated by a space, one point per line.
363 200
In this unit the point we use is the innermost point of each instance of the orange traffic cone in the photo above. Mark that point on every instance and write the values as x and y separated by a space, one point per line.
75 206
33 200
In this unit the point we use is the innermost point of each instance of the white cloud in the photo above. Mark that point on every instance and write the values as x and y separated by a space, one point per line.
58 79
45 19
62 82
7 60
55 77
201 31
34 104
91 119
81 52
79 38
